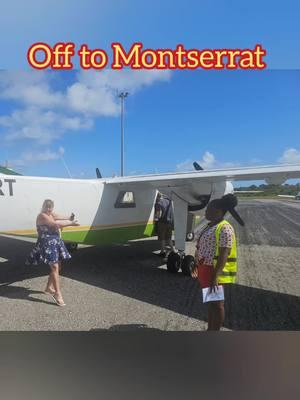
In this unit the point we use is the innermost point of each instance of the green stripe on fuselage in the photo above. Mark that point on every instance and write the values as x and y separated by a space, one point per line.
109 235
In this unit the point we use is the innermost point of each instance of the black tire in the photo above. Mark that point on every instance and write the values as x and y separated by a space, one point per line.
190 236
173 262
71 246
187 265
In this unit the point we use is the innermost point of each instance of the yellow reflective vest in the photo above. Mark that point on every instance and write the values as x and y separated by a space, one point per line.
228 274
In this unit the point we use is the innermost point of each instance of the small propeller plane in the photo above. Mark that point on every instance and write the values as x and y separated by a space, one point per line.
115 210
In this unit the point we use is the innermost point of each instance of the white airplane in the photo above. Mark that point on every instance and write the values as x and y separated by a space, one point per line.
115 210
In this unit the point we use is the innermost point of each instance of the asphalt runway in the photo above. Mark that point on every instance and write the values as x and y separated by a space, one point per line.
127 287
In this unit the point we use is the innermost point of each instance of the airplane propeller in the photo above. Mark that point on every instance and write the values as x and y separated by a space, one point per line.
98 173
197 166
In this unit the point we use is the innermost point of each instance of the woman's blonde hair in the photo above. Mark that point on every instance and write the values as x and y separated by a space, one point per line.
47 203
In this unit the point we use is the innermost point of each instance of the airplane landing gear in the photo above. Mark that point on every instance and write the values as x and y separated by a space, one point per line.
71 246
190 236
180 260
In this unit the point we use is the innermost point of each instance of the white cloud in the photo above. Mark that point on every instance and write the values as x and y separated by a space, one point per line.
122 80
48 113
41 155
92 100
31 88
208 161
96 92
93 92
186 165
290 156
40 126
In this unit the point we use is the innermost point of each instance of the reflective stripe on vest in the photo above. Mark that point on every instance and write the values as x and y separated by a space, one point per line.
228 274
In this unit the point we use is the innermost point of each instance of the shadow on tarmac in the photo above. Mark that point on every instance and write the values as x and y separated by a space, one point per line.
14 269
133 271
17 292
250 308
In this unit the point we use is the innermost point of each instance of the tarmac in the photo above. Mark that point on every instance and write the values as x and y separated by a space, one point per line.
128 288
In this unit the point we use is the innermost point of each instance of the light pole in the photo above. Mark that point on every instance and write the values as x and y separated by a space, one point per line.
122 96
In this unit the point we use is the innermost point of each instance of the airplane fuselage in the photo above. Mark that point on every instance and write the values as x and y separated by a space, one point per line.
102 219
107 213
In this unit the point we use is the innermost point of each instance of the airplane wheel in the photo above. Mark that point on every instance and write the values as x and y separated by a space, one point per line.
190 236
187 266
173 262
71 246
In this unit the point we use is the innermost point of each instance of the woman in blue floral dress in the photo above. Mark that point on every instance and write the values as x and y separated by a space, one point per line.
49 248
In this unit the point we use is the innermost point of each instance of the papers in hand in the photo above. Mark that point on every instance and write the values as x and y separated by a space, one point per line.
214 295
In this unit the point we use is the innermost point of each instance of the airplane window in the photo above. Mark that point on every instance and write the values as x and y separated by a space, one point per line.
125 200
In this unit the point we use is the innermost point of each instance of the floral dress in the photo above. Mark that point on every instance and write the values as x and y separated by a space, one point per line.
49 247
206 244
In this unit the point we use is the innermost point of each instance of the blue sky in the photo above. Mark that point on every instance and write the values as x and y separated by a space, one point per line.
221 119
195 23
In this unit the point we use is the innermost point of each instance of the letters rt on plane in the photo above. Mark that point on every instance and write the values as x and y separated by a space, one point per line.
6 187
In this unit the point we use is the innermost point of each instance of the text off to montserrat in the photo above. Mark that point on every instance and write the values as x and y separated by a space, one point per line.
60 56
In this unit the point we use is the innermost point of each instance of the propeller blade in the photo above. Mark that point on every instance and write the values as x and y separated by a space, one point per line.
98 173
197 166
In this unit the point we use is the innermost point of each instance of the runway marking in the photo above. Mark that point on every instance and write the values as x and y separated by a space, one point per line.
21 238
2 260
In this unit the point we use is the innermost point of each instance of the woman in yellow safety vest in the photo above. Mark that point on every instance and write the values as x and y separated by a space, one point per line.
216 258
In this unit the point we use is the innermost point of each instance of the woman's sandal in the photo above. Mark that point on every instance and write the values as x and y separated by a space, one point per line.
57 302
51 292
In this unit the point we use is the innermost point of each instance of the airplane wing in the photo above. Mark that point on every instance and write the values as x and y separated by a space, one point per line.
277 174
191 191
